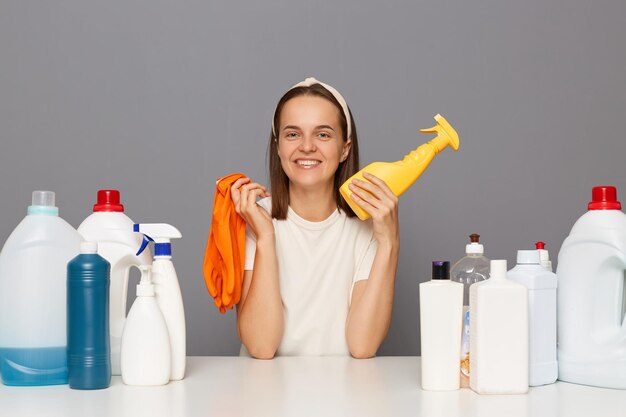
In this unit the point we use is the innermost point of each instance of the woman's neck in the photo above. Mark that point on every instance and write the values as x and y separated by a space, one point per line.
313 205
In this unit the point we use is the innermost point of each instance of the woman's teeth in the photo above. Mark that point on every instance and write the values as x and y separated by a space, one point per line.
307 163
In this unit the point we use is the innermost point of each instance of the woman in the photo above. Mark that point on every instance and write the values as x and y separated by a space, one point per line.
317 280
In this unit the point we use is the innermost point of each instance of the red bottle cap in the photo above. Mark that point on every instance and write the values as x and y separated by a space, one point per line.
540 245
108 200
604 198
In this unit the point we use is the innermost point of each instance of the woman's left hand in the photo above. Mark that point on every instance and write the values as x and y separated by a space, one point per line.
381 203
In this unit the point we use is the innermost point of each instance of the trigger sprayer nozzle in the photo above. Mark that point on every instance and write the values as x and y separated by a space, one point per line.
160 234
144 244
446 135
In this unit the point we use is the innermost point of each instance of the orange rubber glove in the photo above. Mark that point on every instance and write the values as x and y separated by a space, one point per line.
226 248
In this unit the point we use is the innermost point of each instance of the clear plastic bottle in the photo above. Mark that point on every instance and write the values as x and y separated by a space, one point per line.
33 273
472 268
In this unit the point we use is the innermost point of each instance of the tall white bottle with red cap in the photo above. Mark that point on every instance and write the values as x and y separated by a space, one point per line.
117 243
592 295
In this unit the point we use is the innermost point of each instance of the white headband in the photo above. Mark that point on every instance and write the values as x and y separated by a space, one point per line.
342 102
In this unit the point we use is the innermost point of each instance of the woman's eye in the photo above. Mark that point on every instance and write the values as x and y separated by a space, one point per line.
324 135
291 135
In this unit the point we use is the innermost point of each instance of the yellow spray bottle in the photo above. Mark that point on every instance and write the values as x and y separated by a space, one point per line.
400 175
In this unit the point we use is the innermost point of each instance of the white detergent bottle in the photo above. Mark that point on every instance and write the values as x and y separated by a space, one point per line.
542 287
592 295
441 307
544 255
472 268
167 289
145 355
33 296
499 334
111 229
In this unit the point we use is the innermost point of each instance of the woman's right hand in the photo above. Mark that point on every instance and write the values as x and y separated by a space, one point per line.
244 194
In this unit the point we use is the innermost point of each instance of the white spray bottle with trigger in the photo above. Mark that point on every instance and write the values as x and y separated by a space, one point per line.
167 289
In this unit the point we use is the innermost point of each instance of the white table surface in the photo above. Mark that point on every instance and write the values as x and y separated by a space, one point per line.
330 386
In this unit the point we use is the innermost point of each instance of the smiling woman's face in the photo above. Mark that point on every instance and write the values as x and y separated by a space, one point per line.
310 141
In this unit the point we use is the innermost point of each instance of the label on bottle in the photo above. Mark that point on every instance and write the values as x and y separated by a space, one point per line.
465 349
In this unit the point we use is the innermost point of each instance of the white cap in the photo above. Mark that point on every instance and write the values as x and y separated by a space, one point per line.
497 269
89 247
43 198
145 288
474 248
528 257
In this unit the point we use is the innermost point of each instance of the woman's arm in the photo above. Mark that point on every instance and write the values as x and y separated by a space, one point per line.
369 316
260 309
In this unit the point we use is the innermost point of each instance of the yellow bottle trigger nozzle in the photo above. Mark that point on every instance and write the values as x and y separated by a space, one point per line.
400 175
446 135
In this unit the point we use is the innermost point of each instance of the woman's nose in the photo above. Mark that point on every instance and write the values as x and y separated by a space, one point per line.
307 144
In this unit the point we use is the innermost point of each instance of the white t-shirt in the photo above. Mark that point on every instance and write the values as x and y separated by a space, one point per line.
318 264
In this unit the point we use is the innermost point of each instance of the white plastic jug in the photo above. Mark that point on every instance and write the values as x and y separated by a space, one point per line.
591 296
118 244
498 334
33 294
542 287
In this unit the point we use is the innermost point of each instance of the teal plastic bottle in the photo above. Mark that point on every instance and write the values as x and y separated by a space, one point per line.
88 347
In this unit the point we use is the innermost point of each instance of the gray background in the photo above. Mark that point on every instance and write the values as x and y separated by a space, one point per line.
159 98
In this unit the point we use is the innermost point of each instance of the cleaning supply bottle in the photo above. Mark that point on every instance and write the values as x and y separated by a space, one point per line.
33 296
112 230
592 295
499 334
441 304
88 351
541 285
544 255
167 290
400 175
472 268
145 356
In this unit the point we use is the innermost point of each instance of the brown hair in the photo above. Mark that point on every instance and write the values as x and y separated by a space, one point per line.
279 182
